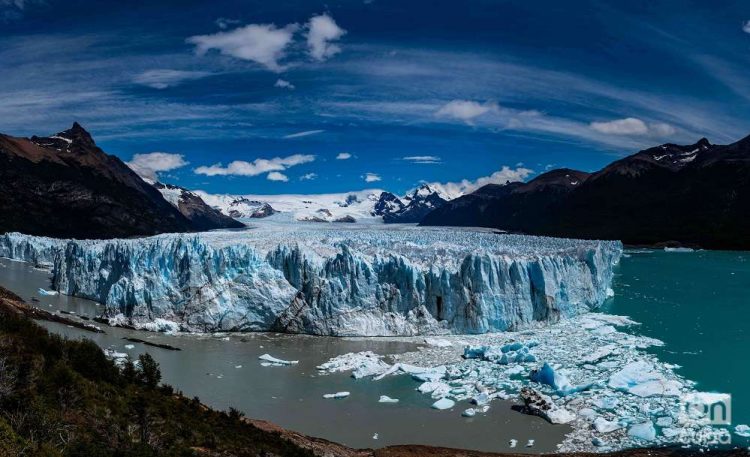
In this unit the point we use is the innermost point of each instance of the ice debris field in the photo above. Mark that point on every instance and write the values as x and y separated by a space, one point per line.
587 372
297 278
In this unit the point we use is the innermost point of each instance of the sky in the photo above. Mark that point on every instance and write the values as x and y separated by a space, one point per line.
260 97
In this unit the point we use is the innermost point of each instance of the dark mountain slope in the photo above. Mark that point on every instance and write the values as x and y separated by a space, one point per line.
192 206
697 194
65 186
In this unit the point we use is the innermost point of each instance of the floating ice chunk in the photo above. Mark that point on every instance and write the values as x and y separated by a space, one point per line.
470 412
438 342
419 373
742 430
337 395
387 399
375 436
436 388
362 364
598 442
555 379
606 403
512 443
530 443
238 366
670 432
599 354
641 379
664 421
588 414
602 425
644 431
518 369
444 403
129 346
276 362
47 292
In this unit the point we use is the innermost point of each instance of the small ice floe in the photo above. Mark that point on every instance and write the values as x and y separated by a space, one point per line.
119 358
274 362
238 366
437 342
129 346
375 436
361 364
598 442
742 430
471 412
387 399
512 443
679 249
644 431
643 380
443 403
47 292
530 443
602 425
337 395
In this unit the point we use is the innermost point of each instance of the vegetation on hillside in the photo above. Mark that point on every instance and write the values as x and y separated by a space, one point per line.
61 397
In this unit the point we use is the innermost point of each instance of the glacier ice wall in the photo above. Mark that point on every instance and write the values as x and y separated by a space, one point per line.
331 282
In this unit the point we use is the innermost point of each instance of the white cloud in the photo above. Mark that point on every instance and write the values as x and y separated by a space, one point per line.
224 23
308 177
276 176
256 167
284 84
371 177
746 27
321 31
301 134
343 156
261 43
150 164
464 110
456 189
161 79
633 126
422 159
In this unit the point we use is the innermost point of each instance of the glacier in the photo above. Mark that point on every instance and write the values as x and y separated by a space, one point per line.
302 278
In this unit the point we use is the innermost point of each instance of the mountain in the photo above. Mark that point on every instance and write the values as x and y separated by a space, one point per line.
65 186
237 207
412 208
696 195
190 205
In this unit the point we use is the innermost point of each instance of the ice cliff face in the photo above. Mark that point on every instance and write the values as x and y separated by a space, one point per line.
331 282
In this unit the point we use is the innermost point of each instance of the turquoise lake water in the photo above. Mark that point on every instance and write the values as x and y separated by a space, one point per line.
698 304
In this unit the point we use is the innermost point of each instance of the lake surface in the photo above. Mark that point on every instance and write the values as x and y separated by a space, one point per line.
207 367
698 303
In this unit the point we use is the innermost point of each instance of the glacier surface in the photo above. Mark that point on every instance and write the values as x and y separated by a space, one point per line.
364 281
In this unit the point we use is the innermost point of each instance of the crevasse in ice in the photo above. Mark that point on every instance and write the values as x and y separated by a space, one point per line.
368 281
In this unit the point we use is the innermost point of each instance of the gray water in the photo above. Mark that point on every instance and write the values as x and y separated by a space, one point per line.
292 397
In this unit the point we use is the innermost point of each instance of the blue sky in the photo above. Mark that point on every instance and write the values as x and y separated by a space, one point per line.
308 97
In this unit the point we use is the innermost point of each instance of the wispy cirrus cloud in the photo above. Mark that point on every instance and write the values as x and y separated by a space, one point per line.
256 167
149 165
422 159
283 84
301 134
308 177
164 78
464 110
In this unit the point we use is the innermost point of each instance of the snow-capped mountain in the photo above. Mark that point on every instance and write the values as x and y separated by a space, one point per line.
369 206
412 208
193 207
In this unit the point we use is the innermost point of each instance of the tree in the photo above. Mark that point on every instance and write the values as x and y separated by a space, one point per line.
150 375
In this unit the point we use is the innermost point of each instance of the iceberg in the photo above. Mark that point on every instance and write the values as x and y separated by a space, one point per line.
644 431
337 395
387 399
47 292
370 281
444 403
271 360
641 379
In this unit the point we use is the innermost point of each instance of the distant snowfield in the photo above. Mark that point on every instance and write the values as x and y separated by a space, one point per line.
302 207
